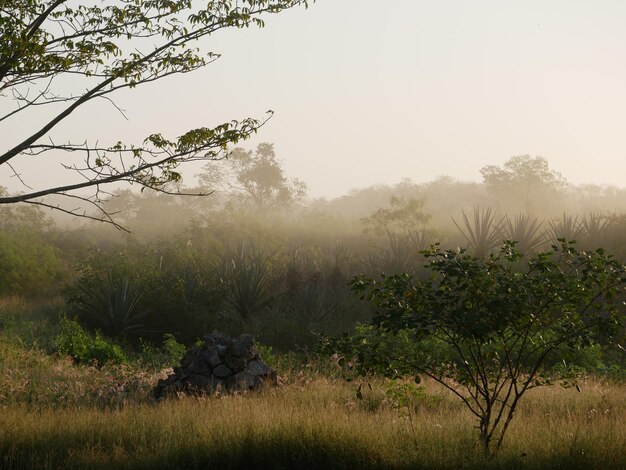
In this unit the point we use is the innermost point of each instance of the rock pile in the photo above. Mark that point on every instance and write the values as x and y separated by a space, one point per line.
220 363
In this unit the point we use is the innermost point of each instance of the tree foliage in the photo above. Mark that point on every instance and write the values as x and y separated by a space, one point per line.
256 178
523 182
28 262
101 49
403 225
502 316
404 216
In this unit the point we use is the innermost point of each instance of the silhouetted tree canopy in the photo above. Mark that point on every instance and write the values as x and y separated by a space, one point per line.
523 181
256 177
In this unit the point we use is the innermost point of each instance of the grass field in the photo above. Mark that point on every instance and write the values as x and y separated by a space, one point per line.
316 423
55 414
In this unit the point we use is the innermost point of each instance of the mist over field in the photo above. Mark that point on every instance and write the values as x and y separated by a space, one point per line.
312 234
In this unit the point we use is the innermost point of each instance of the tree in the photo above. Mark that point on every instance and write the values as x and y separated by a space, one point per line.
523 183
102 49
404 216
256 177
501 318
403 224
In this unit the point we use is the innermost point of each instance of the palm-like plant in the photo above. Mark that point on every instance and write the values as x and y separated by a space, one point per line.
314 301
525 231
114 307
614 234
597 231
314 282
568 228
422 239
246 273
483 231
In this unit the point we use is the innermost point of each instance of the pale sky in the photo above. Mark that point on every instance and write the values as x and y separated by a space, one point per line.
369 92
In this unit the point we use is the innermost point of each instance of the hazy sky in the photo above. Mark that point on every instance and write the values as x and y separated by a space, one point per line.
370 92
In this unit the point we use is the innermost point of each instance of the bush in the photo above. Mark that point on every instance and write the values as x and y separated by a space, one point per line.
372 351
168 355
503 315
73 341
144 292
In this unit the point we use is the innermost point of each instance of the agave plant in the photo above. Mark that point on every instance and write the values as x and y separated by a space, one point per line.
297 266
114 307
567 228
597 231
247 275
336 265
614 234
399 254
525 232
311 282
422 239
483 231
402 252
314 301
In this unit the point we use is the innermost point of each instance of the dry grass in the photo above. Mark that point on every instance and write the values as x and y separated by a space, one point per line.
317 424
54 414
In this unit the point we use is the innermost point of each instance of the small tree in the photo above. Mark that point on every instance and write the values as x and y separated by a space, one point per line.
525 184
502 316
256 177
404 226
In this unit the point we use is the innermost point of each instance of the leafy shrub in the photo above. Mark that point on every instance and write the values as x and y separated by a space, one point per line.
503 315
370 350
173 348
267 354
28 265
406 395
146 291
73 341
168 355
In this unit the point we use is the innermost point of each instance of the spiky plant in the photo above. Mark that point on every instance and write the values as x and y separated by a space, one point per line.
596 230
314 283
314 301
568 228
422 239
525 231
615 237
246 272
113 307
482 231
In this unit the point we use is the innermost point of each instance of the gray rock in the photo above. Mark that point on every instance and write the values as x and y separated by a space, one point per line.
219 363
201 383
200 367
236 364
212 358
215 338
242 347
222 371
259 368
242 381
166 389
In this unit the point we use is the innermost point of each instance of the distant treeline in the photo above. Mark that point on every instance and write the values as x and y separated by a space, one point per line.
258 255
